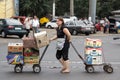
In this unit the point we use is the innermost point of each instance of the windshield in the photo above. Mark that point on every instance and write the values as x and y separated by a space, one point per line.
53 20
13 22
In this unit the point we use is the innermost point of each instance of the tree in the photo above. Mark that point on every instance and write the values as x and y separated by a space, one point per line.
34 7
81 8
62 7
104 8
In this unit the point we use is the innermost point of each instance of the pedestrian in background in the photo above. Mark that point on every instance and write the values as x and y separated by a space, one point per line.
63 36
35 24
27 25
107 24
102 24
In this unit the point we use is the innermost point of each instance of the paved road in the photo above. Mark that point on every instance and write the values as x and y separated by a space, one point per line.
51 67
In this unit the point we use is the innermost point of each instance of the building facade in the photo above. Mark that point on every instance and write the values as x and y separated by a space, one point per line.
9 8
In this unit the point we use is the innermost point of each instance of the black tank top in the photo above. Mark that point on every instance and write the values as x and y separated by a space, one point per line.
60 33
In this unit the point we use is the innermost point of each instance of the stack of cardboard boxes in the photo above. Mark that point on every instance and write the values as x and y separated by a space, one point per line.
28 51
32 45
15 53
93 51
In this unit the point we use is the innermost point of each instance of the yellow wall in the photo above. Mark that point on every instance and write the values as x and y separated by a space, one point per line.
6 8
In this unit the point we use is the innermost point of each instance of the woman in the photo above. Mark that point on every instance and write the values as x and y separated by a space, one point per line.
102 24
27 25
35 24
107 24
62 55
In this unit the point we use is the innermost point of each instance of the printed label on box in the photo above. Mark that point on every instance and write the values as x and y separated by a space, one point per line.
93 43
15 59
15 47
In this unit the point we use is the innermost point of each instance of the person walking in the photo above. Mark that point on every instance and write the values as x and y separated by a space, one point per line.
107 24
102 24
63 37
27 25
35 24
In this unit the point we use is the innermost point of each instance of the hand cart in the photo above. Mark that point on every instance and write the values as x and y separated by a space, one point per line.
36 67
89 67
19 55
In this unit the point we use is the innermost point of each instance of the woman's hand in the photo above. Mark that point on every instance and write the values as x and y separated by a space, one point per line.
53 38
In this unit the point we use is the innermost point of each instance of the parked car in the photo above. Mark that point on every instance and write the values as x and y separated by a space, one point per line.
52 24
112 28
20 18
76 27
11 27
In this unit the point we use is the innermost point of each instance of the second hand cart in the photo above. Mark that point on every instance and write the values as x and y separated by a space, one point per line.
89 63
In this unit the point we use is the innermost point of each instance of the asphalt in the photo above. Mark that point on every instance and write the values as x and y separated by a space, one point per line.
51 67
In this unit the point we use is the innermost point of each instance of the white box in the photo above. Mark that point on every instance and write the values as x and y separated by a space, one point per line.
97 60
41 39
93 51
93 60
93 43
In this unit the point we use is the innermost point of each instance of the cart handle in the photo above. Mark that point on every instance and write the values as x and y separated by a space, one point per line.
78 53
43 53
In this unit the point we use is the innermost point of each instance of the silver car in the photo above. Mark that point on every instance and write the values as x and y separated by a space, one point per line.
76 27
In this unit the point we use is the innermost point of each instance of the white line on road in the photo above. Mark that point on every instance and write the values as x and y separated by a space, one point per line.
72 62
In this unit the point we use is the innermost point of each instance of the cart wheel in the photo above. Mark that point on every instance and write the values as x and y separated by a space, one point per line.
89 69
18 68
105 67
109 69
36 68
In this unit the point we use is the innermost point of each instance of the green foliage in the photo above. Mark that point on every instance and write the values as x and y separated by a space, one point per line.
34 7
81 7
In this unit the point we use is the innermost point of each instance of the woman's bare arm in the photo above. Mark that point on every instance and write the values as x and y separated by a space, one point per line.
66 31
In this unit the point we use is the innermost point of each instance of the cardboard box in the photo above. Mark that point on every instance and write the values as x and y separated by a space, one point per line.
15 47
93 43
31 52
93 51
31 60
15 59
29 42
41 39
97 60
15 53
93 60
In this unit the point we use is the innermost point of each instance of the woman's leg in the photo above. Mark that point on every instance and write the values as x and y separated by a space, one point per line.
65 58
59 57
28 31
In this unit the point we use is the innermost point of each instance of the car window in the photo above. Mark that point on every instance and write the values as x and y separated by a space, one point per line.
71 23
13 22
1 22
53 21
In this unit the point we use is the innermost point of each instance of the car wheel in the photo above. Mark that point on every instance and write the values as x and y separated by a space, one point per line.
21 36
49 26
4 35
87 34
95 30
74 32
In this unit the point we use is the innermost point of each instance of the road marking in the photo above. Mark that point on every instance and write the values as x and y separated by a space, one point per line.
72 62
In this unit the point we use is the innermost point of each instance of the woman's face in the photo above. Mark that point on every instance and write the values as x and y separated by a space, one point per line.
59 22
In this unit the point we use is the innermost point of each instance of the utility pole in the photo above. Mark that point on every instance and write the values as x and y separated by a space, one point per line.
92 9
53 13
71 7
